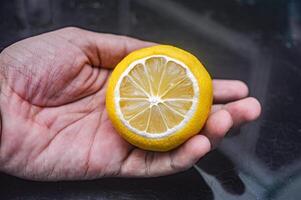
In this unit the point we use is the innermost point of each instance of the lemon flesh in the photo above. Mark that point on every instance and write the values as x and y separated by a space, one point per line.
158 97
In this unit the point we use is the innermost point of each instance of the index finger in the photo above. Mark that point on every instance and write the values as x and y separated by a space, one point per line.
103 50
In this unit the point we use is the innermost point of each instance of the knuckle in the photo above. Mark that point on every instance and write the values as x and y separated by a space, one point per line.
177 166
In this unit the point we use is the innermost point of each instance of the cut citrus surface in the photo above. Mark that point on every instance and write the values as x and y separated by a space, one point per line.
158 97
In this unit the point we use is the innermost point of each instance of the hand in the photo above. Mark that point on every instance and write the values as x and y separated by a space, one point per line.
54 122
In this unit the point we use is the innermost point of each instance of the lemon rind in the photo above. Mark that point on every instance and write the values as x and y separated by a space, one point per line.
194 125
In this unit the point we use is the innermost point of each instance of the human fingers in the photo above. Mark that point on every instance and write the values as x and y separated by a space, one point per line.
229 90
241 111
151 164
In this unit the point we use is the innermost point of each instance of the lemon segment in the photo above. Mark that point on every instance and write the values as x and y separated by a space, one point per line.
158 97
159 79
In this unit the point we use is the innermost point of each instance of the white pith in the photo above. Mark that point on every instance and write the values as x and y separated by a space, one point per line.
154 100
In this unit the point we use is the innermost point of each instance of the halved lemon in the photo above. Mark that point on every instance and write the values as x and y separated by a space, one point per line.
158 97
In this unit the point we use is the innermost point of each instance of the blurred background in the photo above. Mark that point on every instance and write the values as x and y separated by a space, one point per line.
257 41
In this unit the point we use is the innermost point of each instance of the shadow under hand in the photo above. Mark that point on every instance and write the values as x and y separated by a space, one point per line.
223 169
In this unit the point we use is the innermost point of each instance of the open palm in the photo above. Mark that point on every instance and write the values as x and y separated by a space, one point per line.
54 121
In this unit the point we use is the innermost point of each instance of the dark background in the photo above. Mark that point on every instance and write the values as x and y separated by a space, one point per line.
257 41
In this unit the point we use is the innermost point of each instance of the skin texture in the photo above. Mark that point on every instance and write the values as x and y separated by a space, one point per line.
54 122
